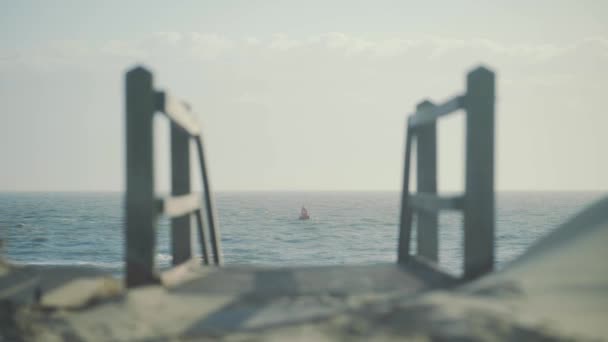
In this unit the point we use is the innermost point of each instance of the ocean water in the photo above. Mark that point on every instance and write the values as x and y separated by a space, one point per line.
262 228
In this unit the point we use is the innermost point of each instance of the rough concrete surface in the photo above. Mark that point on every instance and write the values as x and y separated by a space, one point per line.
558 290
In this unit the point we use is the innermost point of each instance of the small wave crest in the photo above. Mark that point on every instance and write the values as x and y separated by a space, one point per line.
163 258
96 264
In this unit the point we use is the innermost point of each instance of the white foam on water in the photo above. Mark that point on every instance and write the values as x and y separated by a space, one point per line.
163 259
108 265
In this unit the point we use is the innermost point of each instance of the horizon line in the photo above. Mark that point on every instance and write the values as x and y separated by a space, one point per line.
300 190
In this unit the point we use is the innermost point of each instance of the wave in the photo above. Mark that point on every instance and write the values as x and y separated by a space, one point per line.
161 258
96 264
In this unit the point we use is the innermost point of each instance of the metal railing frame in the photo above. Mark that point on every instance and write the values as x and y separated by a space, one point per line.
477 202
142 206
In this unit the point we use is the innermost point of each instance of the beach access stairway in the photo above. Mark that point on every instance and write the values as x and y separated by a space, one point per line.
143 101
200 296
411 273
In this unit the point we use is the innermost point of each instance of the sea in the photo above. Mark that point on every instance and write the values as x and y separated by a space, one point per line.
262 228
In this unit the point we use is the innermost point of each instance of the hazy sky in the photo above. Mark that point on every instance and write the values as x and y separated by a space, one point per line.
308 95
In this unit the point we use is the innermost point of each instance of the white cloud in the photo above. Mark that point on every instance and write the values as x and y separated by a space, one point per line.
171 38
119 48
208 45
340 41
202 47
282 42
353 45
252 41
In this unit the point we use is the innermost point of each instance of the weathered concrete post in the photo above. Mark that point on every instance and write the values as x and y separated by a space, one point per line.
181 244
426 173
140 205
479 182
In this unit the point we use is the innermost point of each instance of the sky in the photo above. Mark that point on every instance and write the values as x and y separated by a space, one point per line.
308 95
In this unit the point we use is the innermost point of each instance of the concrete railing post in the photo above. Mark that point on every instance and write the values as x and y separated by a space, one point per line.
479 182
140 205
181 244
426 156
